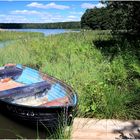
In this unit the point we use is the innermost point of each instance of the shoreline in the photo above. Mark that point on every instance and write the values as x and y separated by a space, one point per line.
2 29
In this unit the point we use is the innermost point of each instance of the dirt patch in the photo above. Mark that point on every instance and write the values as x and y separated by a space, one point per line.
89 129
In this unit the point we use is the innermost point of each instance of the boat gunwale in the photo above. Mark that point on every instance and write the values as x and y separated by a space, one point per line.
53 79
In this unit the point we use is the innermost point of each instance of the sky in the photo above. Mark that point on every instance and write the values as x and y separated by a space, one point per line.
13 11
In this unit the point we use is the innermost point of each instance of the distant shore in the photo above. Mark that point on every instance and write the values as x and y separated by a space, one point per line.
1 29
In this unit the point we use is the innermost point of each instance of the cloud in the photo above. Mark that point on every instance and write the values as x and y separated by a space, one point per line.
34 16
50 18
72 17
48 6
43 18
100 5
77 13
90 5
13 19
25 12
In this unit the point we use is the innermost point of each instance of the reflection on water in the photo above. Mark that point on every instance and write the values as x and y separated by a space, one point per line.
5 43
11 129
46 32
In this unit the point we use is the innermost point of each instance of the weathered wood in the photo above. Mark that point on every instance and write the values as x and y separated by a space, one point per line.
106 129
11 72
9 85
24 91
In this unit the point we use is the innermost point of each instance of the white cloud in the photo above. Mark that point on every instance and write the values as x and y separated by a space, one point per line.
26 12
69 19
36 5
77 13
90 5
13 19
100 5
48 6
50 18
44 18
73 17
32 16
36 16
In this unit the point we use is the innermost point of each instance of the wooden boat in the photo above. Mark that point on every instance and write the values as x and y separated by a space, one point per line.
28 95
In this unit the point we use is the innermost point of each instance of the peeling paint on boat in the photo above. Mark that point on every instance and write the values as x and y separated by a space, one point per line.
28 76
56 92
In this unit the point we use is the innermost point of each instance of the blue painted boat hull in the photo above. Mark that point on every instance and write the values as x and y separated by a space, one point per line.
26 102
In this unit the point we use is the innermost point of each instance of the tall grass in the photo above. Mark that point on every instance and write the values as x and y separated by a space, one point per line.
107 88
11 35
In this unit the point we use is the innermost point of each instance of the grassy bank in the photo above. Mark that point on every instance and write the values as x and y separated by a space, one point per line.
107 82
7 35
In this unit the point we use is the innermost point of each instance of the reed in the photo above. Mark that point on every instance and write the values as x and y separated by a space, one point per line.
107 85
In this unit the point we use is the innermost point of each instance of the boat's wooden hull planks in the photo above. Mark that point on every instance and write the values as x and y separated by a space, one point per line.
58 102
25 91
29 76
9 85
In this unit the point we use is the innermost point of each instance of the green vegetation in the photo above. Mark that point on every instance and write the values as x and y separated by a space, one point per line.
97 18
124 15
116 16
119 86
4 35
58 25
105 78
102 66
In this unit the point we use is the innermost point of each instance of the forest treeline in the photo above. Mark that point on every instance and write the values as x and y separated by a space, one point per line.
58 25
122 18
116 15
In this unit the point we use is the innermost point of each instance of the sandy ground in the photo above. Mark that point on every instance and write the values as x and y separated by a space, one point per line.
91 129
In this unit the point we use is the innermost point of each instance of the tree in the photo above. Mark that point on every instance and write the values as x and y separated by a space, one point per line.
117 16
97 18
58 25
125 15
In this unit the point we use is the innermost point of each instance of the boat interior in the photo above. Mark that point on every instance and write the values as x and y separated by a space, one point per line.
25 86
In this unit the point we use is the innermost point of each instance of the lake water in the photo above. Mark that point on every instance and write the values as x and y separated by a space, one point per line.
46 32
5 43
10 128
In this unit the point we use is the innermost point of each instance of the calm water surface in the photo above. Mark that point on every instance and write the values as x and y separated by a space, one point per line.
10 128
46 32
5 43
